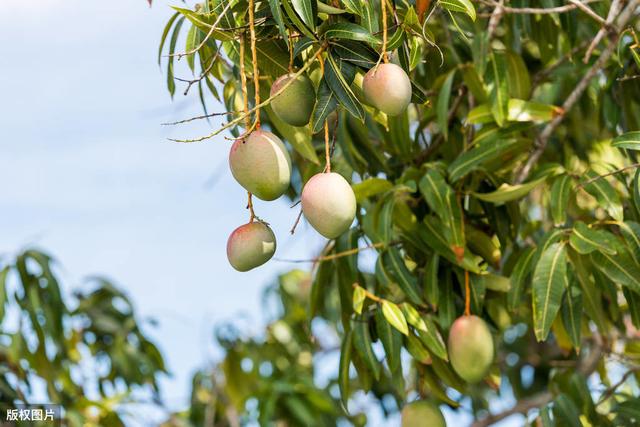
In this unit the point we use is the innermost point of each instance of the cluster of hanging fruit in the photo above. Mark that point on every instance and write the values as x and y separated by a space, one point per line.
261 164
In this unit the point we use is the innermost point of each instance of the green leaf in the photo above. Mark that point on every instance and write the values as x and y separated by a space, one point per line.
320 287
362 343
635 190
353 6
518 277
548 285
391 341
481 154
343 372
583 268
517 111
586 240
359 54
298 137
296 20
394 316
432 338
413 317
474 83
559 198
506 192
417 350
359 295
518 78
629 140
341 87
443 104
349 31
620 268
276 13
329 10
405 280
307 11
204 23
326 103
431 285
565 409
605 194
431 236
3 290
171 85
165 33
370 187
499 95
463 6
572 314
631 233
442 200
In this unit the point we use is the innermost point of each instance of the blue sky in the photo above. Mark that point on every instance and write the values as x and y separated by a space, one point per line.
88 175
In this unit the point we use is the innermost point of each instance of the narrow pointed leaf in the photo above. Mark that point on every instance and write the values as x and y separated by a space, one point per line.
359 296
391 340
394 316
586 240
362 343
548 286
629 141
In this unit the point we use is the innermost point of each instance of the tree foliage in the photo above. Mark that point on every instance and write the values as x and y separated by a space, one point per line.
508 189
86 353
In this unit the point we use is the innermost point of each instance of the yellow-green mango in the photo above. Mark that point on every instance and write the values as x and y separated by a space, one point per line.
422 413
329 204
250 246
261 164
470 348
388 88
295 104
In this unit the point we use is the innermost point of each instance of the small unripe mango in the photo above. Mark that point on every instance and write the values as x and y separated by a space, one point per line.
422 413
261 164
295 104
329 204
250 246
470 348
388 88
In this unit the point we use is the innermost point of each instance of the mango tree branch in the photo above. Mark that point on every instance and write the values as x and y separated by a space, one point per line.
586 367
543 139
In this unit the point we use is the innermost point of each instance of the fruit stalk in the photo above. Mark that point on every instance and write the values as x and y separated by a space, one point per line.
243 80
327 151
254 59
385 57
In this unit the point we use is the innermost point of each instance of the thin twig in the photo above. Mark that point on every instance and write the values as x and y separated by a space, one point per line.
496 16
538 10
209 34
586 9
614 10
295 224
243 85
204 116
254 58
617 171
252 214
260 105
339 254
